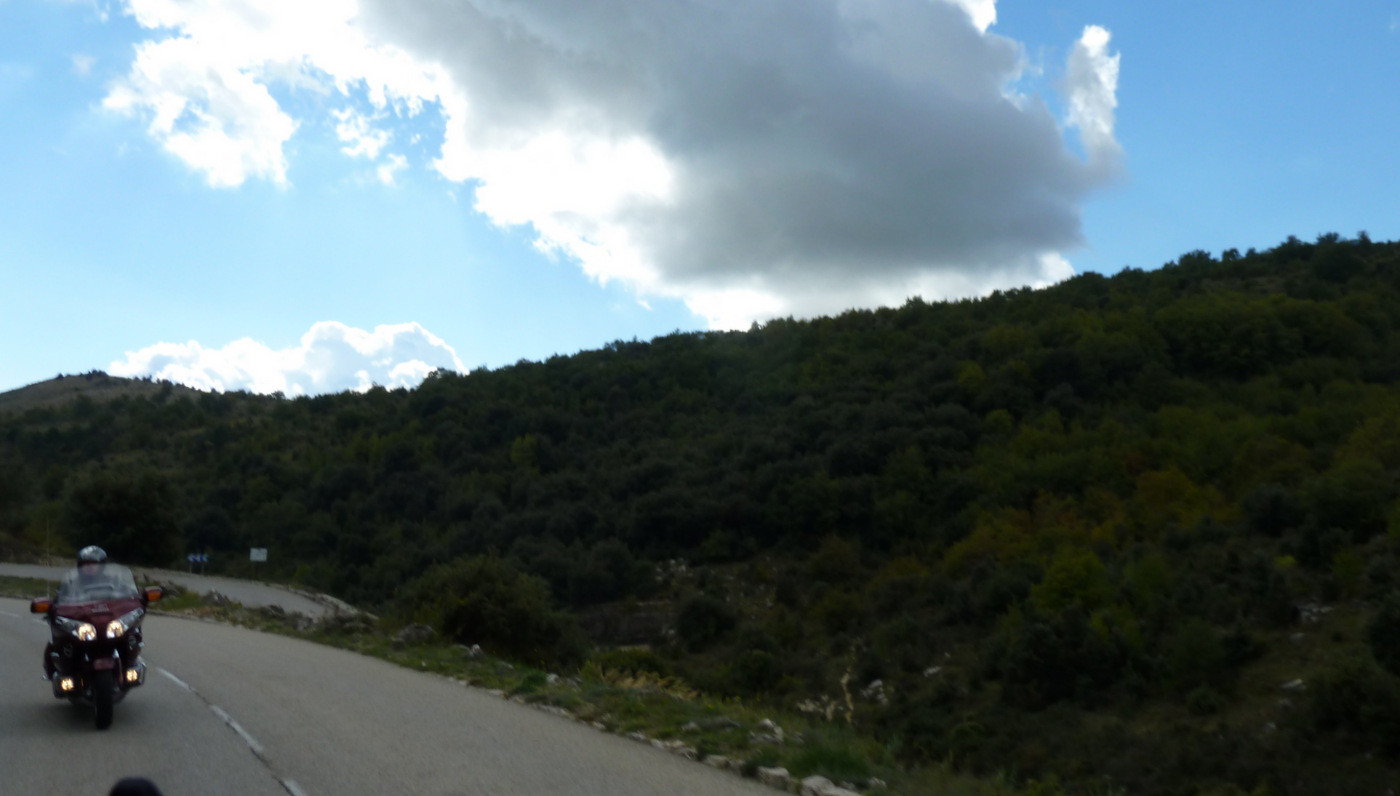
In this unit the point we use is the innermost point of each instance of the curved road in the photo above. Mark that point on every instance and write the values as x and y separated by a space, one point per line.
251 593
229 710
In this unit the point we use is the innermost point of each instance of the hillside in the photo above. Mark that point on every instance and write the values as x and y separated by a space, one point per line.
91 386
1138 531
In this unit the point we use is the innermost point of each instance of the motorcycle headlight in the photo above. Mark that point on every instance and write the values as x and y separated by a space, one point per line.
85 632
119 626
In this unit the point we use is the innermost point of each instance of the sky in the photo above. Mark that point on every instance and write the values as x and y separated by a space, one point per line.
326 195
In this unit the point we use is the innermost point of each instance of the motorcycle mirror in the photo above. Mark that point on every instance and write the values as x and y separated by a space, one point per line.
39 605
154 593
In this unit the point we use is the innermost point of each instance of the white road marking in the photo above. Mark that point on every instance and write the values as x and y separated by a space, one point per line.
176 680
236 727
291 786
7 613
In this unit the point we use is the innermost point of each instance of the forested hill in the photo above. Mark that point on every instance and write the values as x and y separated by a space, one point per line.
1086 531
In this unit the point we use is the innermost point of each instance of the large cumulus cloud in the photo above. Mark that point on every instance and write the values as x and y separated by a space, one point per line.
753 158
331 357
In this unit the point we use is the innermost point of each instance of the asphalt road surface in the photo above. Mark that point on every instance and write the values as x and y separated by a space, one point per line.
250 593
229 710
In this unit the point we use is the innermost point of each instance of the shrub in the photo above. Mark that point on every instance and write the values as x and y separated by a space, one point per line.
632 660
839 611
1383 634
755 672
1356 695
1270 509
1204 701
1044 658
701 620
839 763
1195 655
1076 576
484 600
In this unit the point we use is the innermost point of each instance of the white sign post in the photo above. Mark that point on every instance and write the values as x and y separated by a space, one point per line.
257 554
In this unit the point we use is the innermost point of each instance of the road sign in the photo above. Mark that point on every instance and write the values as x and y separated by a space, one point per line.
197 558
257 554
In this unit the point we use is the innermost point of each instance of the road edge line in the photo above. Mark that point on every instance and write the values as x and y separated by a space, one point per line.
238 728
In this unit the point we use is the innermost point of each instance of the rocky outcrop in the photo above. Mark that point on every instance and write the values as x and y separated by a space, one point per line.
414 634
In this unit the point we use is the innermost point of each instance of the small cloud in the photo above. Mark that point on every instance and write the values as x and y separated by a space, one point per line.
386 171
332 357
361 140
82 64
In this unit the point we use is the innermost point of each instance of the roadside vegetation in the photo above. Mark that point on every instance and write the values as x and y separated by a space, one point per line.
1137 532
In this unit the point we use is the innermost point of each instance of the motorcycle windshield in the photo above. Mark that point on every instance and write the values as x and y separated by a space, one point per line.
90 584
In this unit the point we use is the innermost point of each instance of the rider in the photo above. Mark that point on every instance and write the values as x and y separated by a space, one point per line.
90 561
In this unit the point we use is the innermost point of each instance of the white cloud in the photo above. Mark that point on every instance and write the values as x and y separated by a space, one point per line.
203 86
1092 80
215 117
82 64
982 12
361 139
332 357
750 159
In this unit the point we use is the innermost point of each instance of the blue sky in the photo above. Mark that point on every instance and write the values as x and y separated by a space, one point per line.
237 196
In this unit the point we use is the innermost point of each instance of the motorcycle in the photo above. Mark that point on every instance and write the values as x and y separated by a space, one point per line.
95 621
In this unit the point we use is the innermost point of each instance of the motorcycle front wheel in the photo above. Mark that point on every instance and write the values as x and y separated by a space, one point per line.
103 686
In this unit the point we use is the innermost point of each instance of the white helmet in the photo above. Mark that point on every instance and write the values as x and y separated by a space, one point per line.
92 554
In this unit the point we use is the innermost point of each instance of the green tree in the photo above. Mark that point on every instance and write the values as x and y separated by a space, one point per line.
130 514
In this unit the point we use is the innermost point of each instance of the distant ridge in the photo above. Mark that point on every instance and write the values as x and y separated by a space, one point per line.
94 385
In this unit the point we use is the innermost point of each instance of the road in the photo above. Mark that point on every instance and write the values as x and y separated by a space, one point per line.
249 593
230 710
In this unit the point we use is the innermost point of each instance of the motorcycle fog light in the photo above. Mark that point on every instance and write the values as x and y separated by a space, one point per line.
132 675
115 629
66 684
85 632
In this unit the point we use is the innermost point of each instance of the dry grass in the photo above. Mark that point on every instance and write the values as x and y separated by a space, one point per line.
96 386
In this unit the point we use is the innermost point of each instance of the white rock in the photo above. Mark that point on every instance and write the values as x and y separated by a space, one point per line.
773 730
821 786
776 778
